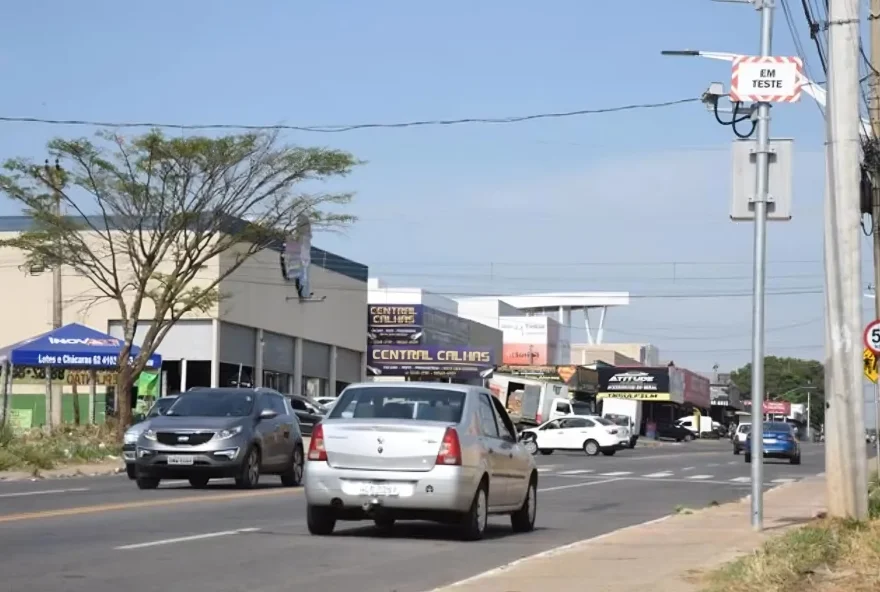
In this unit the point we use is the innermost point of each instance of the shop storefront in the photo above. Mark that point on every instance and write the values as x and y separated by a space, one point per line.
582 382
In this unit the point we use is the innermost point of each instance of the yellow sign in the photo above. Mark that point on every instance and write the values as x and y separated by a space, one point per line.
651 396
870 364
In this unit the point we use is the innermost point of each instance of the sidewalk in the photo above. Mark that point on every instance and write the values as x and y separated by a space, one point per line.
663 556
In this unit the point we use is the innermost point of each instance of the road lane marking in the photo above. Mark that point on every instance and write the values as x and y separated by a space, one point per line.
689 468
615 474
44 492
700 477
712 465
185 539
577 472
657 475
157 503
733 462
574 485
741 479
783 480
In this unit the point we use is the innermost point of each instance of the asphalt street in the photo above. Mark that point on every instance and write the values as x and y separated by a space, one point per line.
101 534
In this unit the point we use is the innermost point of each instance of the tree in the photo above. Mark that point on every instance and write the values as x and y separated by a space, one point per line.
784 379
141 218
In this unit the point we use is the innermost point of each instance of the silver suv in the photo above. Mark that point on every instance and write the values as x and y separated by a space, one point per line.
219 433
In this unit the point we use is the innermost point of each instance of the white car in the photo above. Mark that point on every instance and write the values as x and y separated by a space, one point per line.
575 432
740 436
418 451
326 402
623 434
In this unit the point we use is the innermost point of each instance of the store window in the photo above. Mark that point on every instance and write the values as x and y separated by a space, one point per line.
276 380
314 387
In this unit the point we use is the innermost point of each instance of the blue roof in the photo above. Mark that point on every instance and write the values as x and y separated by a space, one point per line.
320 257
71 346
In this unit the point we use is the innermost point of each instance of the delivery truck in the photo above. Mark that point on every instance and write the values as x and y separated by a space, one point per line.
531 402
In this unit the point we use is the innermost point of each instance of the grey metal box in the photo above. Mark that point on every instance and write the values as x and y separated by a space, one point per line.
744 175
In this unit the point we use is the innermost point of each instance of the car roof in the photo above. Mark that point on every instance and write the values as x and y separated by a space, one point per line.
463 388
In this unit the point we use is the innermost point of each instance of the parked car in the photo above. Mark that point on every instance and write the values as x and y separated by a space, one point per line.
779 442
325 402
213 433
419 451
673 431
308 411
574 433
132 434
740 435
625 421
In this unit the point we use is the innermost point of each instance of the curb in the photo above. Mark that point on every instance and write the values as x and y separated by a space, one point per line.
69 472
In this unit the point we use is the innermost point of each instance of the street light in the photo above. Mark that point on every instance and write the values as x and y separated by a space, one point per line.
810 390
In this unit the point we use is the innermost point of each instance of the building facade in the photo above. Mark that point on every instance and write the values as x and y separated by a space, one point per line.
260 333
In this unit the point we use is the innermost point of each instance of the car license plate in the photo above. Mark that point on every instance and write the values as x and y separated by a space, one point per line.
181 459
769 440
379 490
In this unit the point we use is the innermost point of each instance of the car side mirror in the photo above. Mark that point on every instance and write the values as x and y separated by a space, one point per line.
268 414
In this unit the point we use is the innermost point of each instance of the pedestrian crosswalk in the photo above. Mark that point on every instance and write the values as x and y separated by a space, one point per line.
683 474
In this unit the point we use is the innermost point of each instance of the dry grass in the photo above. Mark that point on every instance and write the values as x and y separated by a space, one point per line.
825 556
66 445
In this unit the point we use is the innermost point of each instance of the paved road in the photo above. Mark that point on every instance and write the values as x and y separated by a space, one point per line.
102 534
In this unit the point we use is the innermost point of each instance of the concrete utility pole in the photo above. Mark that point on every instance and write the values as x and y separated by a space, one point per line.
874 113
762 161
845 462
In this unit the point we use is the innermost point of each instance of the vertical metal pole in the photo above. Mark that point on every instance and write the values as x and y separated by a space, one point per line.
762 161
874 112
877 424
809 416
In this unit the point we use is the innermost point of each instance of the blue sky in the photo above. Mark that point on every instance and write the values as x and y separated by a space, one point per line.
567 204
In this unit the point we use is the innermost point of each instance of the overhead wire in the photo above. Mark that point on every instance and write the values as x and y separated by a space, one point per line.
338 128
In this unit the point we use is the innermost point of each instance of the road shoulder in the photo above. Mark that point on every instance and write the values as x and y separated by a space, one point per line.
666 555
110 467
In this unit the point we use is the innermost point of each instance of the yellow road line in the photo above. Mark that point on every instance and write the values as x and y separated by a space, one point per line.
100 508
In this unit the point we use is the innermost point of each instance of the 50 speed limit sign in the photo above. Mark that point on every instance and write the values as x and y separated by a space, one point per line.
872 336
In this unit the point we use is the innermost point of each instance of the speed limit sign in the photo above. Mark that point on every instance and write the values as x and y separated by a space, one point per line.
872 336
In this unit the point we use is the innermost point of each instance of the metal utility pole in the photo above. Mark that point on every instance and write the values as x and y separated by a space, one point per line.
874 113
845 462
762 161
54 178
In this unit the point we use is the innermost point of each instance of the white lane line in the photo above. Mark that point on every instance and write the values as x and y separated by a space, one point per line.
574 485
195 537
545 469
689 468
615 474
712 465
820 474
44 492
577 472
741 480
733 462
699 477
783 480
658 475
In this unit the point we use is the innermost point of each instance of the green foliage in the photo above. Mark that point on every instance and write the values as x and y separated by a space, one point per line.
68 444
784 375
140 218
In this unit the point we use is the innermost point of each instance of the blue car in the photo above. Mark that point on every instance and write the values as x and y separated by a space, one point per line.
779 442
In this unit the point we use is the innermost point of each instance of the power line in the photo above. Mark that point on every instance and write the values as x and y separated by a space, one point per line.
337 128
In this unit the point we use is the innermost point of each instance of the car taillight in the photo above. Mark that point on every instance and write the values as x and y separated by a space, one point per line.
539 418
612 430
317 451
450 449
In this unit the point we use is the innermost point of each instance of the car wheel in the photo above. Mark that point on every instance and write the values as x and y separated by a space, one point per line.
473 525
147 482
293 476
531 446
608 452
748 458
523 520
249 474
735 451
131 471
546 451
688 437
591 447
796 460
320 521
198 482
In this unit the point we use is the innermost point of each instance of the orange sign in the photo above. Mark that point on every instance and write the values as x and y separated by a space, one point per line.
524 354
566 372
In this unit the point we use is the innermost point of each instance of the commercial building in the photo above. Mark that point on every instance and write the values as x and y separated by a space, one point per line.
416 335
617 354
261 332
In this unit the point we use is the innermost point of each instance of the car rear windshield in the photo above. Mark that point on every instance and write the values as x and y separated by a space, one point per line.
776 426
602 421
745 428
427 404
213 404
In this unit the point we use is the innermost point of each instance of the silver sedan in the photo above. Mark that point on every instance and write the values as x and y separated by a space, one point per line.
419 451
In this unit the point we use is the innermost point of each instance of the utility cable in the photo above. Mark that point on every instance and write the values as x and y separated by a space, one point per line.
337 128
